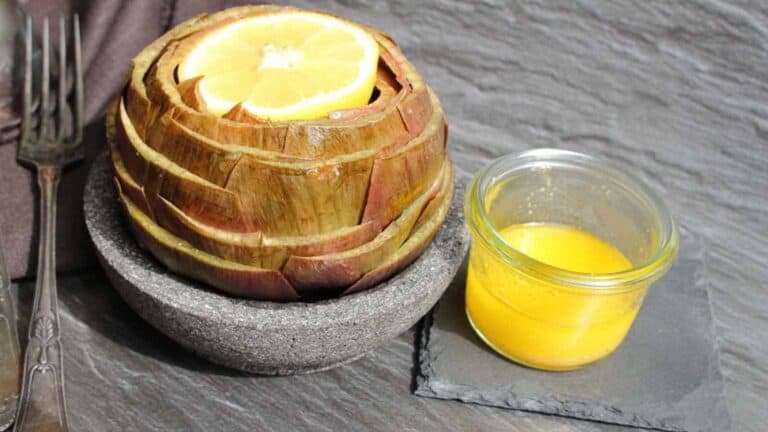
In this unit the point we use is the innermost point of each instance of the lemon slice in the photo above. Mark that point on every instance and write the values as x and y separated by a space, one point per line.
284 66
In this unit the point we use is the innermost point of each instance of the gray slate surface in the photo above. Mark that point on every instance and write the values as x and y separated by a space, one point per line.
675 89
666 374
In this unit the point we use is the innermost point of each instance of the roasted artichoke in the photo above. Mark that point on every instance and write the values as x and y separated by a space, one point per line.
278 210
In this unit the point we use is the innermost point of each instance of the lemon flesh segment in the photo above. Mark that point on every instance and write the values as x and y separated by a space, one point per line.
284 66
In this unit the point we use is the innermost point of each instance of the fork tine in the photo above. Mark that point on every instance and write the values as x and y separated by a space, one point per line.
61 106
78 116
45 82
26 117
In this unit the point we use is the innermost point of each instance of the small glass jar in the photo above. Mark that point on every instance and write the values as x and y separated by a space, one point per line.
547 317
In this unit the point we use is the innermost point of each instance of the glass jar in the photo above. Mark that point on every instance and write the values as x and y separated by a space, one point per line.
547 317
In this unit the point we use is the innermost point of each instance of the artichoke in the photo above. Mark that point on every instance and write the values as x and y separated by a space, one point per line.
282 210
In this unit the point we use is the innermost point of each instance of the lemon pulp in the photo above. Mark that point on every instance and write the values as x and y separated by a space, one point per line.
284 66
539 323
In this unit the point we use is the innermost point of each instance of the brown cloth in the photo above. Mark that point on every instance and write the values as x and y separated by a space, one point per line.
113 32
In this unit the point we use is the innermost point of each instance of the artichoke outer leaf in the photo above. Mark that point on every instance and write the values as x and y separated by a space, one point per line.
424 231
254 248
397 178
180 257
128 185
138 107
212 163
202 200
322 274
120 144
415 111
291 199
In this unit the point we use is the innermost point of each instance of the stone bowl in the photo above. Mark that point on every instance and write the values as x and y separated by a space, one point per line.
260 336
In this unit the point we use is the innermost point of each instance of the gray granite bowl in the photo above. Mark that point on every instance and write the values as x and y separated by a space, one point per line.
260 336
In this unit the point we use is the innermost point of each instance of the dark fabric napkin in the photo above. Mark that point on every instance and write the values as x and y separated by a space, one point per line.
666 374
112 33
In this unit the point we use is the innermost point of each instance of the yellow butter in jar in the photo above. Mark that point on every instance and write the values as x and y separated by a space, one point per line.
564 249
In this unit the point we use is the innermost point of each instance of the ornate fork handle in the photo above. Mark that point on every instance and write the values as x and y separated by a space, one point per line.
41 403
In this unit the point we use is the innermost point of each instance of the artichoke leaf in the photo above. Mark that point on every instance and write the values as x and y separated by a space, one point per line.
416 109
127 184
254 248
397 178
138 107
213 160
424 231
210 162
190 94
182 258
436 204
197 197
319 275
241 115
301 199
118 136
357 134
384 92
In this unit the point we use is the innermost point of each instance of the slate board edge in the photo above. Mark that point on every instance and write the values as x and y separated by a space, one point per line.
716 371
598 412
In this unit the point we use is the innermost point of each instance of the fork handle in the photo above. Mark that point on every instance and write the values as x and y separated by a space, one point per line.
41 403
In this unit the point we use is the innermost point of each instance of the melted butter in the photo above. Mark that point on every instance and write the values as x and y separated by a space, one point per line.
542 324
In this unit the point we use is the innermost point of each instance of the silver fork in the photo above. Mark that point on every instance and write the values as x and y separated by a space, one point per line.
55 144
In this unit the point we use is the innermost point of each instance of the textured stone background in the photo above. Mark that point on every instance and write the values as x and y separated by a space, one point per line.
676 90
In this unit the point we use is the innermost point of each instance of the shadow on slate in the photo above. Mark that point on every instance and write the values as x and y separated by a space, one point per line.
665 376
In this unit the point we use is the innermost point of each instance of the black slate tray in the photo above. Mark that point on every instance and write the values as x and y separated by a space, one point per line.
665 376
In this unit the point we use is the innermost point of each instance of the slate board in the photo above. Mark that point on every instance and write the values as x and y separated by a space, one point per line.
665 376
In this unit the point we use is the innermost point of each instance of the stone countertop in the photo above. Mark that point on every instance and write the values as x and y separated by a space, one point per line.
676 91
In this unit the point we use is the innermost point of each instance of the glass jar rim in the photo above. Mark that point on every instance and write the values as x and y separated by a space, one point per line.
652 268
